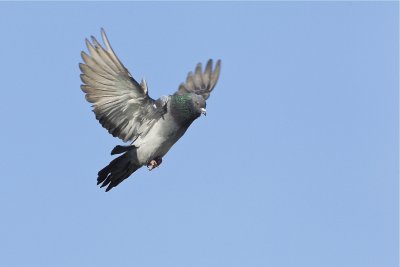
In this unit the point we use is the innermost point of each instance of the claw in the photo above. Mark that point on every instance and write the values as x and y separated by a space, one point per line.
154 163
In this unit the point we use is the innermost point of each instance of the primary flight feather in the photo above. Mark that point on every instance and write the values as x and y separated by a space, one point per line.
124 108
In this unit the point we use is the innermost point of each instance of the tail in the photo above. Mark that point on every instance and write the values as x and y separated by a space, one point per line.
118 170
121 149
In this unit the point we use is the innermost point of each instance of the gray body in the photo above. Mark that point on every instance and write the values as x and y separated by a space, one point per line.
160 138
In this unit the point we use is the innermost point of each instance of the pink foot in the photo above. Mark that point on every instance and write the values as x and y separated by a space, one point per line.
154 163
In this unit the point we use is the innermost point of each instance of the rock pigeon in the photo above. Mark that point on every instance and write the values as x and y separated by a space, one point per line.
124 108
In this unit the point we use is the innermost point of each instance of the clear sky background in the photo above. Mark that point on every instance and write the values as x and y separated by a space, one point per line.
296 163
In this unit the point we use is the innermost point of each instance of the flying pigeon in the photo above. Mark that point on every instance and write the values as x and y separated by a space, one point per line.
124 108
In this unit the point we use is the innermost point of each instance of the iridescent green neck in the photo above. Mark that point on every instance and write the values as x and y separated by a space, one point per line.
182 108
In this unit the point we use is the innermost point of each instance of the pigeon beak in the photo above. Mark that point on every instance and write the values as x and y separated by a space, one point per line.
203 111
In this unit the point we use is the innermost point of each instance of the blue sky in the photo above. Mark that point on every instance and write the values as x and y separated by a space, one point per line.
296 163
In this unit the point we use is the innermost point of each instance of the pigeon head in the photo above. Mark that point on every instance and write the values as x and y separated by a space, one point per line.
187 107
199 104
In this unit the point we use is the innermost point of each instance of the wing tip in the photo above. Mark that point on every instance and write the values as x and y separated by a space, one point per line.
218 64
104 37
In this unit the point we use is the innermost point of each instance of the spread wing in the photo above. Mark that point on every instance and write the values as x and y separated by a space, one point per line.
120 103
201 83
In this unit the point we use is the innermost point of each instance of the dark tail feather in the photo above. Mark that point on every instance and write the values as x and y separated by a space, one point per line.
121 149
118 170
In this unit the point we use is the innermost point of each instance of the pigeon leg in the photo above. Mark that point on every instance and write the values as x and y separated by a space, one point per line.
154 163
